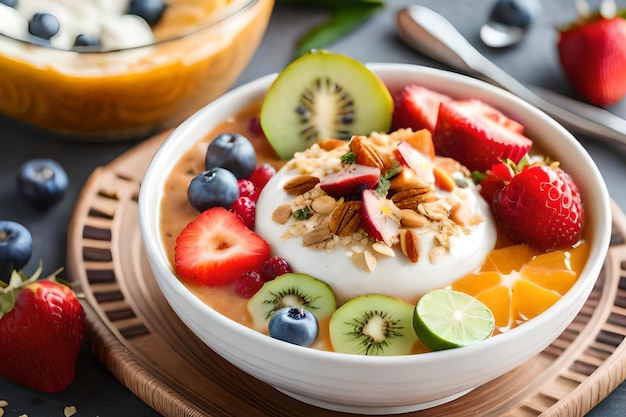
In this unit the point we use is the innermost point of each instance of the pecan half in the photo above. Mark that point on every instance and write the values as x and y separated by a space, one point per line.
300 184
412 197
345 218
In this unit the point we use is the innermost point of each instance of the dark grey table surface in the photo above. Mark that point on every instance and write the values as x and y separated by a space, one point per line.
95 392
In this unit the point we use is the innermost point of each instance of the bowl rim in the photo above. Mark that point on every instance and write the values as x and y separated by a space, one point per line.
235 7
581 288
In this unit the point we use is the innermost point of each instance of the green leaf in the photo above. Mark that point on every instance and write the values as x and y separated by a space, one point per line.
7 302
342 21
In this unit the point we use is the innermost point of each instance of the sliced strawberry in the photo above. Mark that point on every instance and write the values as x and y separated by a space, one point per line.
540 206
416 107
417 161
380 218
475 137
217 247
351 180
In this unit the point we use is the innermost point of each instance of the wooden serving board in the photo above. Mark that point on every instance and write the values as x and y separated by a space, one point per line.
144 344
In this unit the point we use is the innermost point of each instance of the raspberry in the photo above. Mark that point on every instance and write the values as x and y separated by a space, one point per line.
274 267
261 175
248 283
245 207
248 189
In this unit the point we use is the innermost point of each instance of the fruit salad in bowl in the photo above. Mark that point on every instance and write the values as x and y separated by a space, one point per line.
121 69
350 220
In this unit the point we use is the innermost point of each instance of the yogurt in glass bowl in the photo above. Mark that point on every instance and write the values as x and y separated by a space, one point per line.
318 374
140 78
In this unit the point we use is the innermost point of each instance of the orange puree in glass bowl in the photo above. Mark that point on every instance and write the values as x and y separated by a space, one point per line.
516 282
201 47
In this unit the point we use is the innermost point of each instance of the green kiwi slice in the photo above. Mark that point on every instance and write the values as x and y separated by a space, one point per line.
291 290
373 324
323 95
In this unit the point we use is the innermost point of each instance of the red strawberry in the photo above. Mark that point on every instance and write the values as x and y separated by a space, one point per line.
592 53
474 133
416 107
217 247
380 218
351 180
540 206
495 179
41 333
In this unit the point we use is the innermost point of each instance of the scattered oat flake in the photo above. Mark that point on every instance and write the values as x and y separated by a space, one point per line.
3 403
69 411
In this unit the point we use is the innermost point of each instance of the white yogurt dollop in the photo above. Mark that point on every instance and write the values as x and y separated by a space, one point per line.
392 275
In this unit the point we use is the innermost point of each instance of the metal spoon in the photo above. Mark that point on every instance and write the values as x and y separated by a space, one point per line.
508 22
433 35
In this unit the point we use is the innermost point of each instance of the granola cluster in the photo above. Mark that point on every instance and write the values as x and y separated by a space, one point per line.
421 200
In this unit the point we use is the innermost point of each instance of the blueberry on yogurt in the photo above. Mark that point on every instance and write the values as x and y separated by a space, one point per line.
43 25
150 10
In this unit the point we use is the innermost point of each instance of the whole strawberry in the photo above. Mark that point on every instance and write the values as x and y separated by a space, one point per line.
540 206
592 53
41 333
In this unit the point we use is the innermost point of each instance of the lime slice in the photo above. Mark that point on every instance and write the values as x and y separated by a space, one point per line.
447 319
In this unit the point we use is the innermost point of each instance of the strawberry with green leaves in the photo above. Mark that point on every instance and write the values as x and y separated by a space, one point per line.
592 53
42 327
541 206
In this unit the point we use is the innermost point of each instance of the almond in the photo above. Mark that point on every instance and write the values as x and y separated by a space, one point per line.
409 244
282 214
317 237
411 198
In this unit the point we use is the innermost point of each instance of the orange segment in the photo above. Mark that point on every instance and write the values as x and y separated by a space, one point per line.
518 283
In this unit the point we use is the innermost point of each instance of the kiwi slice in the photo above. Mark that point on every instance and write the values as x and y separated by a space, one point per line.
323 95
291 290
373 324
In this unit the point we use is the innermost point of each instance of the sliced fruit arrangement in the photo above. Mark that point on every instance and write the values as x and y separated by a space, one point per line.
592 53
41 332
517 282
323 95
383 185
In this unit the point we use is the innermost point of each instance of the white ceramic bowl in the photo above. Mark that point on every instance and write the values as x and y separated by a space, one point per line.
364 384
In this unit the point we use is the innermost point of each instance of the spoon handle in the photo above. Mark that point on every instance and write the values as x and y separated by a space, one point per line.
433 35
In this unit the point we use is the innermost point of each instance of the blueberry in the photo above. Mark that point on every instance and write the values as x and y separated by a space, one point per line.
150 10
86 40
42 181
294 325
43 25
519 13
233 152
16 247
10 3
212 188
